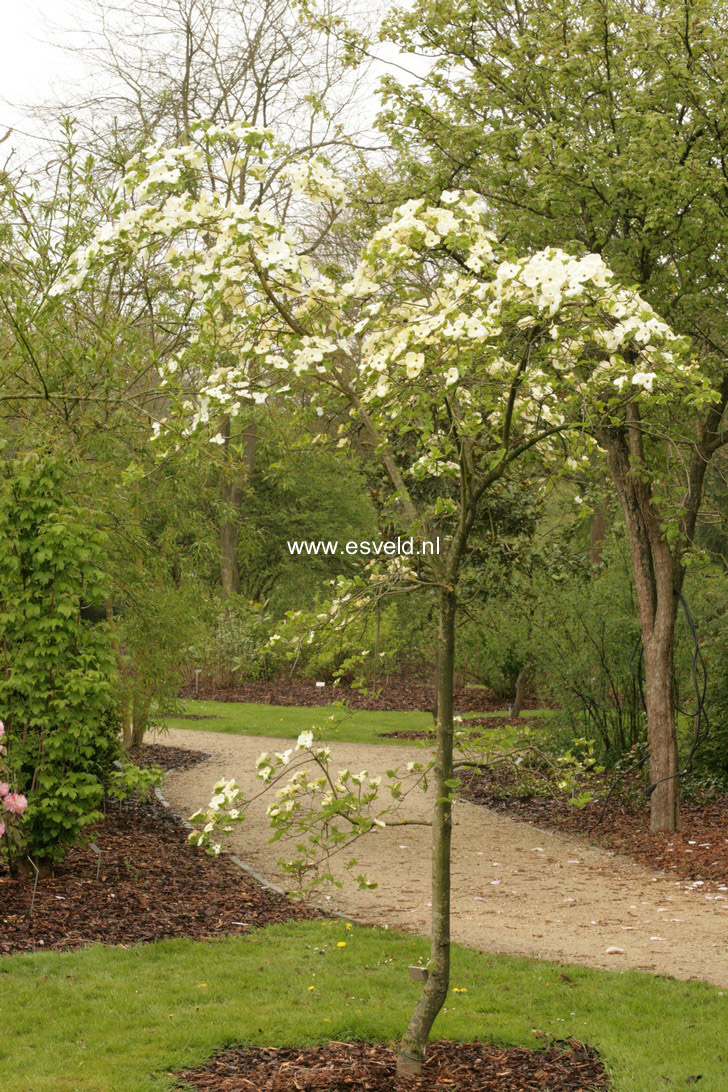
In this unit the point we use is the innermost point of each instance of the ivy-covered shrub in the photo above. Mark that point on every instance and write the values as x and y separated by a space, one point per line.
57 669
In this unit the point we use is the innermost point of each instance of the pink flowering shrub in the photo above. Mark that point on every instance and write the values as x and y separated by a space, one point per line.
12 804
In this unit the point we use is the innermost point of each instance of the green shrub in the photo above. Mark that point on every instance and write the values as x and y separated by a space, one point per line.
234 643
58 670
706 594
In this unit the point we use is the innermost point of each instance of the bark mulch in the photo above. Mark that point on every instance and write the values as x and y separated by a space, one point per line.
697 854
407 735
152 885
395 692
481 723
169 758
343 1067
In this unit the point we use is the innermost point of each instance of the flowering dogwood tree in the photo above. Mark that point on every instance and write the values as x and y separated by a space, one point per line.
455 359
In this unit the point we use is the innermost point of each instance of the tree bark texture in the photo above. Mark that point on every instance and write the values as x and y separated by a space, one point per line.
657 579
411 1052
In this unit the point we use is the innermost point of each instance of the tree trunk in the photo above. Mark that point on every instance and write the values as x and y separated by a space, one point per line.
140 721
411 1052
520 690
662 733
657 578
597 533
232 495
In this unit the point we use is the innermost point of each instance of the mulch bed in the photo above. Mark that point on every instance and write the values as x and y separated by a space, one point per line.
343 1067
697 854
395 692
407 735
472 722
169 758
153 885
195 716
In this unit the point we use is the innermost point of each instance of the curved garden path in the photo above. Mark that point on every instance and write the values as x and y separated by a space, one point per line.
516 889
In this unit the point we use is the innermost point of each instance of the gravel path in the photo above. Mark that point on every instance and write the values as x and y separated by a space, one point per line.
516 889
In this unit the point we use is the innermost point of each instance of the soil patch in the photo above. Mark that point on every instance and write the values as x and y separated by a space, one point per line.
698 853
395 692
343 1067
152 885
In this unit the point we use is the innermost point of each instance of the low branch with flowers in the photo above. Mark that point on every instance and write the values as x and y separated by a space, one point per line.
324 811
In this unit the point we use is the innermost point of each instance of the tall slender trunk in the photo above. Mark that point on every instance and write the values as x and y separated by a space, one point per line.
411 1052
140 720
519 695
657 578
232 496
598 533
662 733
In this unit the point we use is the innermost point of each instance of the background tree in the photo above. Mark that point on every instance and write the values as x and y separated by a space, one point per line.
598 127
163 67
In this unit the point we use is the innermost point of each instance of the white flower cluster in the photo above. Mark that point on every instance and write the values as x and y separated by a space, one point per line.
218 818
316 180
432 325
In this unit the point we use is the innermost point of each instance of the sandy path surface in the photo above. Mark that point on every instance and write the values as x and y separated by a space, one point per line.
516 889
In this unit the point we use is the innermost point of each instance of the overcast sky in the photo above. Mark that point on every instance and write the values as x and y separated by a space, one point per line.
33 69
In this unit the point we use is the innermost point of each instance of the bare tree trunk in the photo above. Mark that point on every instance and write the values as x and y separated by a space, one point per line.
662 734
232 495
520 689
411 1052
597 533
140 721
229 569
657 578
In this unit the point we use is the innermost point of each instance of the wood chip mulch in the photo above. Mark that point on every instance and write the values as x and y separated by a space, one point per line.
697 855
152 885
343 1067
395 692
169 758
481 723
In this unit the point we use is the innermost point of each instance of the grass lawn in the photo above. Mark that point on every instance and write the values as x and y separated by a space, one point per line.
288 721
120 1019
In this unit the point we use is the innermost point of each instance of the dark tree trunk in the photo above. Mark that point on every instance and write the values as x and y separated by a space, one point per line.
140 721
411 1052
597 533
662 734
232 497
657 578
520 690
